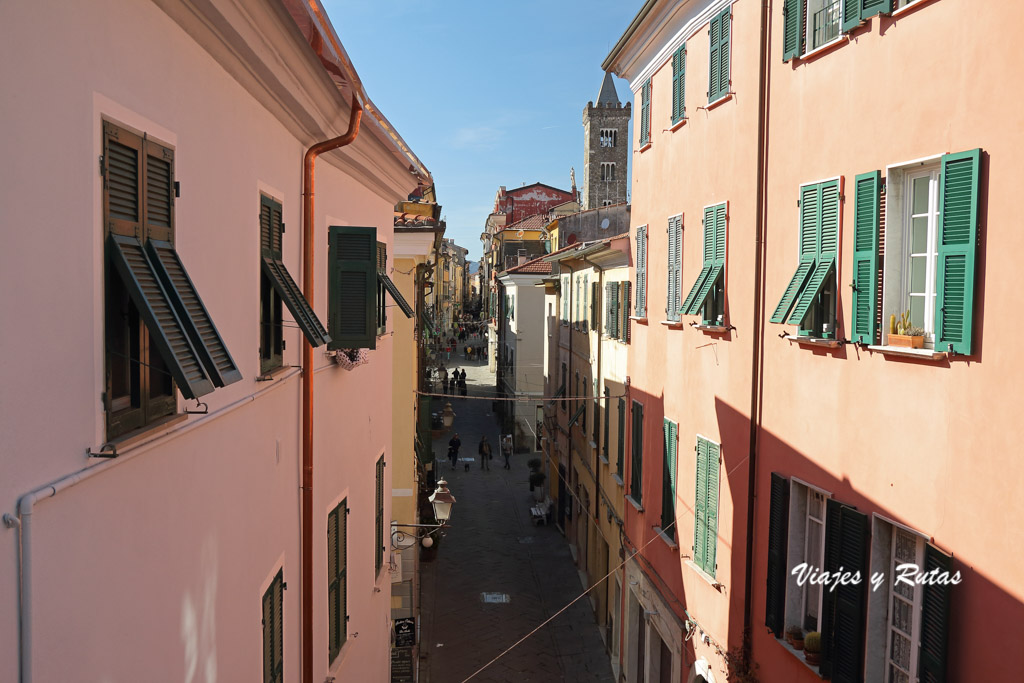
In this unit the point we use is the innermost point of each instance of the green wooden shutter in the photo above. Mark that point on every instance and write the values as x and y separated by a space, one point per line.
819 233
711 510
610 291
679 84
957 243
714 62
595 291
645 112
585 312
670 431
931 666
636 468
724 49
700 504
396 295
851 15
865 256
273 630
620 453
794 287
378 539
778 532
624 300
352 287
870 8
844 624
641 271
333 642
268 635
674 254
607 420
690 305
792 31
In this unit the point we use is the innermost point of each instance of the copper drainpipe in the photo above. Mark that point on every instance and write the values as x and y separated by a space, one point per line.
308 163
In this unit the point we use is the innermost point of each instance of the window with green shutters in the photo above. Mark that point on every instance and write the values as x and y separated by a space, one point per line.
707 295
705 526
271 329
867 195
810 24
719 34
352 287
679 84
378 537
273 630
337 587
957 251
641 271
624 301
564 294
620 449
645 113
595 290
636 465
809 300
611 309
675 254
670 431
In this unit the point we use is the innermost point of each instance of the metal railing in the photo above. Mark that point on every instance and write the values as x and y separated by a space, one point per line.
827 24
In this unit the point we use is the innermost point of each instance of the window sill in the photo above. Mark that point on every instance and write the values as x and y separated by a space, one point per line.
277 371
673 324
923 354
603 459
669 541
146 433
710 580
638 506
678 124
720 101
827 47
712 329
642 321
815 341
908 8
618 480
799 654
645 146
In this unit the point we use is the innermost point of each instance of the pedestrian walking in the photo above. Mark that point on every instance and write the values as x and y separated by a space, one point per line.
484 450
453 449
462 387
506 449
462 376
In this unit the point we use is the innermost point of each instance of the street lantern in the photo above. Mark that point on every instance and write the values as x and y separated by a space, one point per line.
448 415
442 500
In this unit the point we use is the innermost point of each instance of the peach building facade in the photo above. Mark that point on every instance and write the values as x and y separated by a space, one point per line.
832 170
174 132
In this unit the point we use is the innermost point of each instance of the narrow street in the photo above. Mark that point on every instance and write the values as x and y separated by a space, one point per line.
493 550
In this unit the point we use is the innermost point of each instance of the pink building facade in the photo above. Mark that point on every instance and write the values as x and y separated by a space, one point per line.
175 132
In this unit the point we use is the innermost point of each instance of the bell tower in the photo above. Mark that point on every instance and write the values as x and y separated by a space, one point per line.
606 146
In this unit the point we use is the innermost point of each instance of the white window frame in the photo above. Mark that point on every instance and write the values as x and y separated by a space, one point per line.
931 246
809 25
796 596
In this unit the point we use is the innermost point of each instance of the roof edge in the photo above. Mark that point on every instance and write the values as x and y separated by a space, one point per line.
630 30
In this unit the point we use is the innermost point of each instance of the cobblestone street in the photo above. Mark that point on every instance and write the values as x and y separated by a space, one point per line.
496 576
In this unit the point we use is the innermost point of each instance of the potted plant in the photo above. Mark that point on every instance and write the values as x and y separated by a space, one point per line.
537 485
903 333
795 636
812 647
534 464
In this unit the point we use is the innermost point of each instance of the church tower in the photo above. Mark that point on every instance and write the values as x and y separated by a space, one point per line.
606 146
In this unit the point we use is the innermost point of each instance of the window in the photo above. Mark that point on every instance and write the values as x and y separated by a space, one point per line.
707 296
606 202
585 306
705 524
636 465
271 330
611 303
159 335
641 271
810 24
273 630
929 252
809 300
607 421
608 137
679 84
718 73
675 256
607 171
645 113
337 587
565 385
595 292
378 537
565 300
621 445
806 544
597 414
824 21
668 479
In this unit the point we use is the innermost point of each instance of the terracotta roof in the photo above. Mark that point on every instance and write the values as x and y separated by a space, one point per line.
412 220
536 266
535 222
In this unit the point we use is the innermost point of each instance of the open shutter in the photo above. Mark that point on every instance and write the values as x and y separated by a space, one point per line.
679 84
810 243
714 43
352 282
870 8
850 602
792 289
268 635
636 469
154 302
792 31
958 241
865 256
851 15
396 295
690 305
595 290
620 453
668 483
333 643
778 535
624 329
931 666
278 649
725 29
711 509
700 504
297 304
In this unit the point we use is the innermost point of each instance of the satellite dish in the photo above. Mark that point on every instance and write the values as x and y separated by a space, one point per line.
605 223
520 234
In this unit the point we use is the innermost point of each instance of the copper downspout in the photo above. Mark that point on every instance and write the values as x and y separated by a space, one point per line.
308 163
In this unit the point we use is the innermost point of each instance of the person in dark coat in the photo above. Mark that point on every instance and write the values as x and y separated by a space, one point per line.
484 450
453 449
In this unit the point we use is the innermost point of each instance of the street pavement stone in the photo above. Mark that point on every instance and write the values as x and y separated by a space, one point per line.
493 547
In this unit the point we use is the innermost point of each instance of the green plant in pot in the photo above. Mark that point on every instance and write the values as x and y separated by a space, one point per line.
812 647
904 333
795 636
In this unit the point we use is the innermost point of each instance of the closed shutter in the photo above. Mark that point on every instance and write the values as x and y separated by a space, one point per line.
197 321
641 271
636 466
674 257
645 112
679 84
931 666
268 636
607 421
844 622
611 293
159 192
155 305
270 228
273 633
620 453
819 235
333 636
851 15
378 539
700 504
792 31
122 155
668 484
778 533
585 312
865 256
870 8
352 287
718 33
957 246
595 290
711 510
624 300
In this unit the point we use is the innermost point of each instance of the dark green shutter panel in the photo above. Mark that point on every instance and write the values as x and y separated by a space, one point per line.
641 271
870 8
193 314
159 189
273 631
122 164
621 445
700 505
156 306
720 218
714 274
668 476
828 221
778 543
810 213
865 256
931 667
332 585
352 282
270 228
396 295
607 420
725 23
595 291
957 246
688 302
293 298
645 113
610 291
679 84
851 600
851 15
711 509
691 304
268 635
815 284
793 29
792 289
714 43
625 331
636 469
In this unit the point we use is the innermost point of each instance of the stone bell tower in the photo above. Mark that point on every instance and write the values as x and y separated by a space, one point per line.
606 147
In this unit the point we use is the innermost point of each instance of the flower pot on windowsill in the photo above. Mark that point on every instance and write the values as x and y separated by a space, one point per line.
906 340
812 647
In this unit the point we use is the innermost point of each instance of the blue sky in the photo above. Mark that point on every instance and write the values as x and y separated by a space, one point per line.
486 92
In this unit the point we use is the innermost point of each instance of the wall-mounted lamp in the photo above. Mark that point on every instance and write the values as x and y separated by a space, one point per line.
448 416
442 500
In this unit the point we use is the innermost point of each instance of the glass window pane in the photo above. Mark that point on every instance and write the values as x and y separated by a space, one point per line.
900 650
897 676
917 311
902 615
919 232
918 270
920 197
